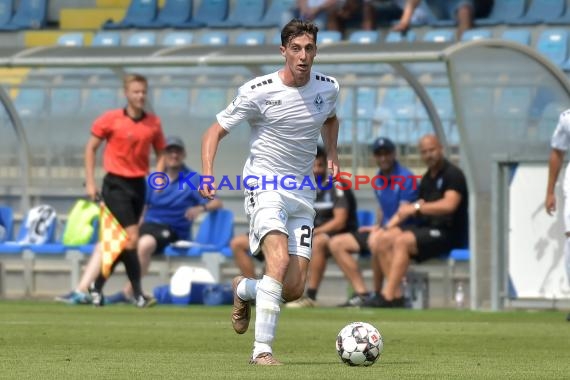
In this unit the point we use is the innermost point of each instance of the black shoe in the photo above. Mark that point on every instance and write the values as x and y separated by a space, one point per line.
399 302
375 300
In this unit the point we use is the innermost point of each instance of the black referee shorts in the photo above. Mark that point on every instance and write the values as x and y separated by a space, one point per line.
124 197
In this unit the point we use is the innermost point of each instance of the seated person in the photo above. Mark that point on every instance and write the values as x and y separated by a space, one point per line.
242 255
316 11
461 10
376 12
168 217
441 213
390 195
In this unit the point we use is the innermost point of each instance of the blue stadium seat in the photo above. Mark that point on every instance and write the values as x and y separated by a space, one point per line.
250 38
214 38
172 101
15 247
553 43
439 36
361 118
441 98
7 222
365 217
396 113
513 109
208 12
140 12
106 39
6 12
173 13
564 19
460 254
142 39
99 100
476 34
328 36
65 101
273 18
71 39
209 101
59 248
214 234
177 39
409 36
30 101
541 11
522 36
30 14
244 11
364 36
502 12
276 39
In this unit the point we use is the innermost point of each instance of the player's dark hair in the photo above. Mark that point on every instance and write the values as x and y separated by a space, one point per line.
296 28
321 152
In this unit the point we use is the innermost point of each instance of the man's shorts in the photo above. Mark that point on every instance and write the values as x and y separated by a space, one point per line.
447 9
431 242
124 197
271 210
362 240
162 233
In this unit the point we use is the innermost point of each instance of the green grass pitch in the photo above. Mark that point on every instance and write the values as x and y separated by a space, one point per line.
52 341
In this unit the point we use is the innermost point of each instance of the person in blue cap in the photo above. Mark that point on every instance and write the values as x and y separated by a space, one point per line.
389 198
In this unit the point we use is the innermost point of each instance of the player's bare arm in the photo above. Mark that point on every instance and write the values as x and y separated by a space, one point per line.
160 166
444 206
554 165
91 147
210 141
329 133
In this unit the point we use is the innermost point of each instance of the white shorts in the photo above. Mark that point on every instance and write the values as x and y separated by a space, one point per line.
273 210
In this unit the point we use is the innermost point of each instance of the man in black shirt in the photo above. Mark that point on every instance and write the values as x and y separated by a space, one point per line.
442 221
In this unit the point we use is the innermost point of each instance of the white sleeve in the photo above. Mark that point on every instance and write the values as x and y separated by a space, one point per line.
561 136
240 109
337 90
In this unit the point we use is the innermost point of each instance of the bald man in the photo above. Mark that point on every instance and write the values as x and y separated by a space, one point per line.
441 223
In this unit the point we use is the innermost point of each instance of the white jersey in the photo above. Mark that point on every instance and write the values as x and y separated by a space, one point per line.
561 137
285 126
561 141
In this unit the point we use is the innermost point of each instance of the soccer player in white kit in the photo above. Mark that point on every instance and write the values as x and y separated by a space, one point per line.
287 111
560 143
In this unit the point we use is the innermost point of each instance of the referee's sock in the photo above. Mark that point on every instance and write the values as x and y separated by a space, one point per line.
133 269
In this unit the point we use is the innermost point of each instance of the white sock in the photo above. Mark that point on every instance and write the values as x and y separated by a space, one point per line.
567 258
267 308
247 289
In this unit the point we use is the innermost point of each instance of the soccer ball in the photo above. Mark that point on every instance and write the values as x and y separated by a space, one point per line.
359 344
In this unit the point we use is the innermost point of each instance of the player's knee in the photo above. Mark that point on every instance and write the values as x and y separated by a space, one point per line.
293 292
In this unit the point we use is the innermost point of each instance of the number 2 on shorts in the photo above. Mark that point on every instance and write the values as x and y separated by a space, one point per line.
307 237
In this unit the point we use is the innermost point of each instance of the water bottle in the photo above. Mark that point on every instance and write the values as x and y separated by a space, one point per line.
407 293
459 296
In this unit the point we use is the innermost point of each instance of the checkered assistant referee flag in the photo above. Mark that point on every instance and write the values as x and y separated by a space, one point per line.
112 238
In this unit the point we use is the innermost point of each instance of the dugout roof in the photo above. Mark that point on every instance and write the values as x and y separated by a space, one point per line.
506 98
